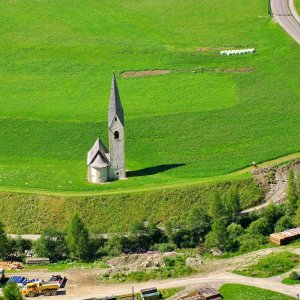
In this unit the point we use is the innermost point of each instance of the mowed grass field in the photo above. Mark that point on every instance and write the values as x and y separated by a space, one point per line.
56 60
297 4
246 292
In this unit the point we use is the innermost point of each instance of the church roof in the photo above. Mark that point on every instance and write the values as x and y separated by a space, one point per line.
115 106
98 155
100 162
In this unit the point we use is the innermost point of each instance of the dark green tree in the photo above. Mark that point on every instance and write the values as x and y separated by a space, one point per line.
291 194
114 246
284 223
199 224
77 238
235 232
178 234
52 244
22 244
272 213
138 239
155 234
216 208
218 237
249 242
12 292
232 204
137 228
260 227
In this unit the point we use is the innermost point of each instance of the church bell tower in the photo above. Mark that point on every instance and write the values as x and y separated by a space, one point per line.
116 133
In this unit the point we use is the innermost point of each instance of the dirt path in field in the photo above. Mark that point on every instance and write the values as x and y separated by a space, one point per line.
145 73
200 70
82 283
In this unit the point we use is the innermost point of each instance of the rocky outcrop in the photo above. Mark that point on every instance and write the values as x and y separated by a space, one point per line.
273 180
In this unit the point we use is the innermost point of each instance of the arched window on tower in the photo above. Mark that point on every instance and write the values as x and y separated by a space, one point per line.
116 135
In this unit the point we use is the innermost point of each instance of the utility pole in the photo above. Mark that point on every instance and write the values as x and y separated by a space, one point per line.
269 8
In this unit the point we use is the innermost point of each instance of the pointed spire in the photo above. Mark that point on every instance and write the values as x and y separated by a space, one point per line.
115 106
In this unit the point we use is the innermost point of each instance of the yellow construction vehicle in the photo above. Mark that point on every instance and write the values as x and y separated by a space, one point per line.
34 289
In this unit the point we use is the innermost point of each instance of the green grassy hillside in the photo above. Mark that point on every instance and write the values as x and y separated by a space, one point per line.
246 292
55 70
25 213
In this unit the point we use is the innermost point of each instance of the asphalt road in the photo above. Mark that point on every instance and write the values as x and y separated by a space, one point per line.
286 15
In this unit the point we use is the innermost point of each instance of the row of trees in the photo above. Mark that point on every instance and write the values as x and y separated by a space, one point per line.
75 243
11 247
220 226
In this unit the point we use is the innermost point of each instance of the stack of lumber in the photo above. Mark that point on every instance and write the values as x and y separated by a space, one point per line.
11 265
37 260
209 293
204 293
194 295
285 237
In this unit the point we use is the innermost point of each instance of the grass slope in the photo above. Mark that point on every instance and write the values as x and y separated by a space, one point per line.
26 213
55 68
290 281
245 292
297 4
272 265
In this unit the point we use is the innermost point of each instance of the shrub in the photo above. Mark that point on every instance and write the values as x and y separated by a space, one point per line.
52 244
250 242
284 223
164 247
294 275
260 227
271 265
12 292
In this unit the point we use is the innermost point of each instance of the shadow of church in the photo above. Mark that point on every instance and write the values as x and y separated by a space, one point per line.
153 170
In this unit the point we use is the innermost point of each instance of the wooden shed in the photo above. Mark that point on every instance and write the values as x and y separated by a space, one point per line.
285 237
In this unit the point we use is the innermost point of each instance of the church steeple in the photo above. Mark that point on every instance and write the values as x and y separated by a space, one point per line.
115 107
116 133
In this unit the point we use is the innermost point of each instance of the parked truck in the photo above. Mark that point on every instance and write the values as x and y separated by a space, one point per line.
34 289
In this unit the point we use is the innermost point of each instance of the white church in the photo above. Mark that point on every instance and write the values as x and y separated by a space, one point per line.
104 165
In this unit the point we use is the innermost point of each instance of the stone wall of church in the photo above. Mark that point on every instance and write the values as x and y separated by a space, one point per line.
117 148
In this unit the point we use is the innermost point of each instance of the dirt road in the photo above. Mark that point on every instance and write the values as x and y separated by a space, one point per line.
82 283
84 289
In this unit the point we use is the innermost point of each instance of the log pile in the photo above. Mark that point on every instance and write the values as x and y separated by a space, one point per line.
285 237
11 265
204 293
